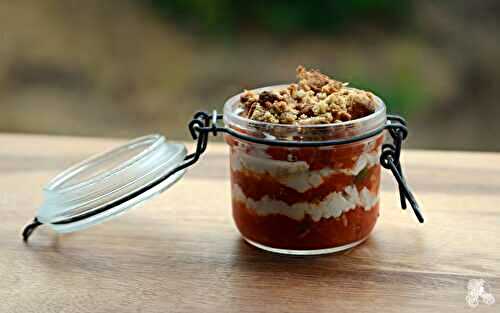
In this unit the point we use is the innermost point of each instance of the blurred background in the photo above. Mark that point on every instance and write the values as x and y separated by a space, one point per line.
124 68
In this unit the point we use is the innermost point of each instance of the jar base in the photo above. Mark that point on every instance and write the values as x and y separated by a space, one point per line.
306 252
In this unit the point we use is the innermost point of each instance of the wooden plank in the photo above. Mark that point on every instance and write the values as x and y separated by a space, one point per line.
180 252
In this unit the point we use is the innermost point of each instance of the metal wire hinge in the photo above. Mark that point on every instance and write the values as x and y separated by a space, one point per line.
389 159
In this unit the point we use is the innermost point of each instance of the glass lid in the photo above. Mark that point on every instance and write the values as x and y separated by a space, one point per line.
110 183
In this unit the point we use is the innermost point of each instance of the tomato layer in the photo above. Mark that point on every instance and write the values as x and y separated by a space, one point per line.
338 157
369 178
282 232
256 186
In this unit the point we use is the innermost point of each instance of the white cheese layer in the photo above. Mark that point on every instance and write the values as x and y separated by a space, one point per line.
296 174
333 205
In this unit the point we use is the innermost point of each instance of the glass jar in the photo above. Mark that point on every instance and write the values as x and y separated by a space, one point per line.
304 200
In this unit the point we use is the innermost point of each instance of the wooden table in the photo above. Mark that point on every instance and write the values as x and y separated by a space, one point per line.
180 252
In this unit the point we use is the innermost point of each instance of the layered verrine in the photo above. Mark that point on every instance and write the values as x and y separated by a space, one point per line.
305 199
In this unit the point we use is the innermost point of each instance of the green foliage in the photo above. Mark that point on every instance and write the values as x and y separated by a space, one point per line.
402 91
281 16
402 95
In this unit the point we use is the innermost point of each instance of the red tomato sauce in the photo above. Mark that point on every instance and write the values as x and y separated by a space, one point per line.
256 186
344 156
319 158
369 179
282 232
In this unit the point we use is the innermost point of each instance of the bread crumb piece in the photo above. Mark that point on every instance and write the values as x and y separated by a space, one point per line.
315 99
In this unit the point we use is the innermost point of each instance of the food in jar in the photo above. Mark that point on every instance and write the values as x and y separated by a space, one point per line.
306 198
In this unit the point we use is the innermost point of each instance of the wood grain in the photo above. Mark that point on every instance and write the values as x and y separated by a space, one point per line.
180 252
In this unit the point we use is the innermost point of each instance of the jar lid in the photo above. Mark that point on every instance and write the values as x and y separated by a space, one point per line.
110 183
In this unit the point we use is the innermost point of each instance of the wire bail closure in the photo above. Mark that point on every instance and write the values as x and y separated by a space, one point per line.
203 124
389 159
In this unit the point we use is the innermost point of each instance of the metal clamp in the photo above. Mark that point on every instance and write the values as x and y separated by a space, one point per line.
389 159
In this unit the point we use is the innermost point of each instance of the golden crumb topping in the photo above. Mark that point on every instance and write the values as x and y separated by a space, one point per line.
315 99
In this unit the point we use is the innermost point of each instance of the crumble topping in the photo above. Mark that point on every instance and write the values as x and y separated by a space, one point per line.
315 99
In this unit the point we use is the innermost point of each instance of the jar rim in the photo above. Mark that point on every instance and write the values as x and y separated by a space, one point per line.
233 119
